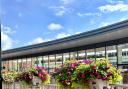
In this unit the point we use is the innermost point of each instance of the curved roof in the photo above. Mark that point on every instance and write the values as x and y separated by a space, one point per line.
111 32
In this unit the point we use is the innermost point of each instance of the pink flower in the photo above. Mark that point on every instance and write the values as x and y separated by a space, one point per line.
87 61
40 75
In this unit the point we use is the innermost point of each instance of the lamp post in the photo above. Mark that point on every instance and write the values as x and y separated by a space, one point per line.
0 63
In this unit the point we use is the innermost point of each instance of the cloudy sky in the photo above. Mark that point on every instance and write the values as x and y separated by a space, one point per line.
26 22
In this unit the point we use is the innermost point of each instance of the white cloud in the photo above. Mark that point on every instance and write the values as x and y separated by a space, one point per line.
6 40
114 7
55 26
36 41
59 10
115 1
88 14
7 30
62 35
63 8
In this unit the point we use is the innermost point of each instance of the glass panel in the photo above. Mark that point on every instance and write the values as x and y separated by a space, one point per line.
40 59
90 54
81 55
123 54
73 55
10 65
24 64
6 65
100 53
28 66
51 63
58 60
36 61
19 65
65 57
45 58
33 62
15 65
111 54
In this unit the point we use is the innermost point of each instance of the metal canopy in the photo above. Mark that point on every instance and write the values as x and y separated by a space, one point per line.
116 32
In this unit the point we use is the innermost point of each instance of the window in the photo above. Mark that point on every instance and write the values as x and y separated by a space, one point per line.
28 62
19 65
122 54
33 62
81 55
73 55
51 63
39 59
59 60
24 64
15 65
100 53
65 57
90 54
46 64
10 65
111 54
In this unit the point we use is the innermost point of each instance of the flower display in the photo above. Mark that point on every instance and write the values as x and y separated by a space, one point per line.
99 69
26 78
65 75
9 77
85 72
42 74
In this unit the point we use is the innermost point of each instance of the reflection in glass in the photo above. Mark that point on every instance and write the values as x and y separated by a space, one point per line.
90 54
10 65
33 61
51 63
73 55
46 64
19 65
111 54
39 59
100 53
58 60
28 62
123 54
65 57
15 65
81 55
24 64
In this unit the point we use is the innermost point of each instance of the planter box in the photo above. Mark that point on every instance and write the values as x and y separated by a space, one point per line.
100 84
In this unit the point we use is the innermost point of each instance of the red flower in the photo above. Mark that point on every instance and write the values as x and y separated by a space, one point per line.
83 76
94 67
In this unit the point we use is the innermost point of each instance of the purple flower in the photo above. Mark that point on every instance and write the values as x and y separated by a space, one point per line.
86 61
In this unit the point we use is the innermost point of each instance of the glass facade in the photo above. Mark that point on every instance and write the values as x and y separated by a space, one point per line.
117 54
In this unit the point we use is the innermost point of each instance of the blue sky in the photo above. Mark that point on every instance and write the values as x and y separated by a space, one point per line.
26 22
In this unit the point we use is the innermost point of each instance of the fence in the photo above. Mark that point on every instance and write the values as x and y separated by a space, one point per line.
118 86
17 85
